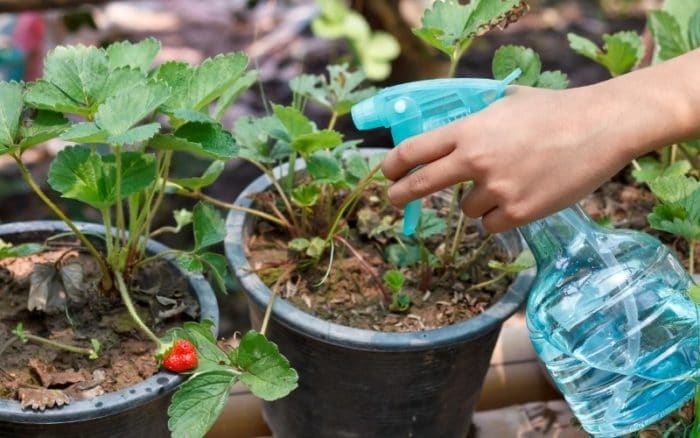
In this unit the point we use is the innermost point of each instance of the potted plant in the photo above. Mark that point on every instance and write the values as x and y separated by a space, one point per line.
92 312
391 335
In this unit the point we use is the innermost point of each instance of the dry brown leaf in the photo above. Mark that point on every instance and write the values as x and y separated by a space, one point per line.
49 376
42 398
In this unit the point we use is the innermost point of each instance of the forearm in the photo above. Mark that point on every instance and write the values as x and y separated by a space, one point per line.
654 106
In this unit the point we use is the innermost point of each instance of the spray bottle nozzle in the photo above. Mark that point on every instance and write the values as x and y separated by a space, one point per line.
416 107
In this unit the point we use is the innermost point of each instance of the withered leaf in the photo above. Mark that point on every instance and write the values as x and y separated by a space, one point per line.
73 282
49 376
45 292
42 398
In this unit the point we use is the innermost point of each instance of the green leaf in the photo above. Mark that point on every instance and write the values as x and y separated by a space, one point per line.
195 87
191 263
45 126
305 196
210 175
207 140
682 11
430 224
120 81
338 93
198 402
188 115
26 249
209 226
316 248
667 35
135 135
555 80
296 123
694 293
324 168
673 188
403 257
11 103
508 58
121 112
77 173
583 46
266 372
394 280
78 71
299 244
138 172
43 95
694 31
234 92
623 51
218 267
449 26
660 220
356 166
650 169
136 55
525 260
400 302
309 143
85 132
254 135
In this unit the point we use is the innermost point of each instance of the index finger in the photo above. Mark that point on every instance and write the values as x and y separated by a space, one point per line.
421 149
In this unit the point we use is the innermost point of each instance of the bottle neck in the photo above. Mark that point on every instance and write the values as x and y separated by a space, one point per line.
549 238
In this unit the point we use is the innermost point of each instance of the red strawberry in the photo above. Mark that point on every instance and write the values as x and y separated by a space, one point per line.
181 357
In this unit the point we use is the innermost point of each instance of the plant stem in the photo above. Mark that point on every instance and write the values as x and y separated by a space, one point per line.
126 298
370 270
107 220
118 188
290 170
106 278
334 118
163 230
691 257
457 235
694 161
161 254
674 153
146 229
695 431
482 246
202 197
280 191
350 198
454 61
58 345
273 296
486 283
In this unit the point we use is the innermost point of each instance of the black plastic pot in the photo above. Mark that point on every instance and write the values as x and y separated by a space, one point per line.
138 411
362 383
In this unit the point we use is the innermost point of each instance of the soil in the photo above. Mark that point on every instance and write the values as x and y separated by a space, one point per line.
40 376
352 294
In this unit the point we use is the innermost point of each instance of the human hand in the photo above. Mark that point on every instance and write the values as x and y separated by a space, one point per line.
529 154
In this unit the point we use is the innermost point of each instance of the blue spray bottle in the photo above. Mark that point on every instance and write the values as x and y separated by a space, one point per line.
608 313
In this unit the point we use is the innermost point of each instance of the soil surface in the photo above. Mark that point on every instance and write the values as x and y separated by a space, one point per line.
76 311
353 294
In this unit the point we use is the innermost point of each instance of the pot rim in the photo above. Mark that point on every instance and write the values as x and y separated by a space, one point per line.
111 403
298 320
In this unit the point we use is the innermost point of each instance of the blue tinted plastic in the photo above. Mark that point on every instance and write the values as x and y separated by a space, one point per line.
416 107
608 313
609 316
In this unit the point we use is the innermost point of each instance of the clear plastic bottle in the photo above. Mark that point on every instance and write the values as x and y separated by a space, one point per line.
610 318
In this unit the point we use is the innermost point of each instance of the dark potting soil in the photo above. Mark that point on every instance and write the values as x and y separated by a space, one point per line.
42 376
350 292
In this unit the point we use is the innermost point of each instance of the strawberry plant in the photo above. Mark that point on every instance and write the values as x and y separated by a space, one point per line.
373 50
123 121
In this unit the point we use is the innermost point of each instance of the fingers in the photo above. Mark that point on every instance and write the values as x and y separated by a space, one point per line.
434 177
422 149
499 220
477 201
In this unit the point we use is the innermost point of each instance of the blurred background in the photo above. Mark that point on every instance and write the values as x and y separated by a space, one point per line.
282 39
